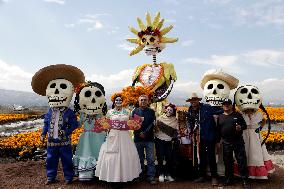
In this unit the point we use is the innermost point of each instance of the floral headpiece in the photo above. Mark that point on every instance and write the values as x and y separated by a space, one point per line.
80 86
115 95
151 28
171 105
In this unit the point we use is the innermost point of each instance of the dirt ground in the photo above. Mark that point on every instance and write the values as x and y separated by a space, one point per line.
31 174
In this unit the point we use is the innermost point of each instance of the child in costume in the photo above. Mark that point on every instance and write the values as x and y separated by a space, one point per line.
248 100
57 83
90 102
167 127
118 159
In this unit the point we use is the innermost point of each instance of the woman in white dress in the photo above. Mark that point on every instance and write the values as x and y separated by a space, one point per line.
118 158
259 161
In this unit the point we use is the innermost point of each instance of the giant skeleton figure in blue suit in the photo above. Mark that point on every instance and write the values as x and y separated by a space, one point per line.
57 82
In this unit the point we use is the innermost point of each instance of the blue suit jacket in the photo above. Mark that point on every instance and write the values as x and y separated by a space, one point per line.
70 123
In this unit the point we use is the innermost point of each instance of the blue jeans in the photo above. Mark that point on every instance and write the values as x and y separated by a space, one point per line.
52 160
149 148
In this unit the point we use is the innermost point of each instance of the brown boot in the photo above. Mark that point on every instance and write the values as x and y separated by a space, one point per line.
214 182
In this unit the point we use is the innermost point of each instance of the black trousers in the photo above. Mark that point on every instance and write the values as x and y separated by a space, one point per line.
238 148
163 152
207 154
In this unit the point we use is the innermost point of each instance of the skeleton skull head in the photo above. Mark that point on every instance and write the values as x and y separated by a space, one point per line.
152 44
148 40
59 93
248 97
216 91
92 100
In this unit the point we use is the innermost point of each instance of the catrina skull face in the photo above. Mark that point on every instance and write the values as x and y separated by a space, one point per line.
216 91
92 100
248 97
59 93
152 44
169 111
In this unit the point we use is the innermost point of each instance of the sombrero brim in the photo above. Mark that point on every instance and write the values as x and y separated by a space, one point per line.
59 71
190 99
230 80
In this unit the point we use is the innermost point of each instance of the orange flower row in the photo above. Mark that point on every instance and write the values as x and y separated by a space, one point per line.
25 142
4 118
277 137
276 114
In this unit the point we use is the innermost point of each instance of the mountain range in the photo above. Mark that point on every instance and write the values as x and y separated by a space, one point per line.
29 99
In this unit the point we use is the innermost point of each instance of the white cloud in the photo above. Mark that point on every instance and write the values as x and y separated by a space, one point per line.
126 46
13 77
261 13
97 25
260 57
92 22
60 2
187 86
265 57
215 60
113 81
187 42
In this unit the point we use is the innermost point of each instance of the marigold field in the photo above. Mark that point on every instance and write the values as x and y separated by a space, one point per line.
5 118
276 114
25 143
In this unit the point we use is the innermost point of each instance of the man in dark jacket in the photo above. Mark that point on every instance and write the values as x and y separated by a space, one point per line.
203 126
231 125
144 137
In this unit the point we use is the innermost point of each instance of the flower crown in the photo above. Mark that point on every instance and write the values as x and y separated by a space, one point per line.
115 95
80 86
171 105
151 28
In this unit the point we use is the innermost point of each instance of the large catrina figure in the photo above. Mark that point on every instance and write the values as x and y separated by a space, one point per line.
248 99
157 77
90 102
57 83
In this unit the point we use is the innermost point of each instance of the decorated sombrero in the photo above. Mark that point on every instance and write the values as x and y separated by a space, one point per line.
59 71
219 74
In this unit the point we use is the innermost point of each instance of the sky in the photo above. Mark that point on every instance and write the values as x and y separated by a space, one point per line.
244 38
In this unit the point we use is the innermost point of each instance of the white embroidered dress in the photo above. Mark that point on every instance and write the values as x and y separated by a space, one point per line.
258 159
118 158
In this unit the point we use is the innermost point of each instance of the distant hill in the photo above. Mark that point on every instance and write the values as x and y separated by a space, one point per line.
28 99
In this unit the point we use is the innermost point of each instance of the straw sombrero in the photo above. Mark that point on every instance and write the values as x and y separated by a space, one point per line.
59 71
219 74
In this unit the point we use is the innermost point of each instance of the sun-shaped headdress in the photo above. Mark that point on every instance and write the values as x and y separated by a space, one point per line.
150 34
